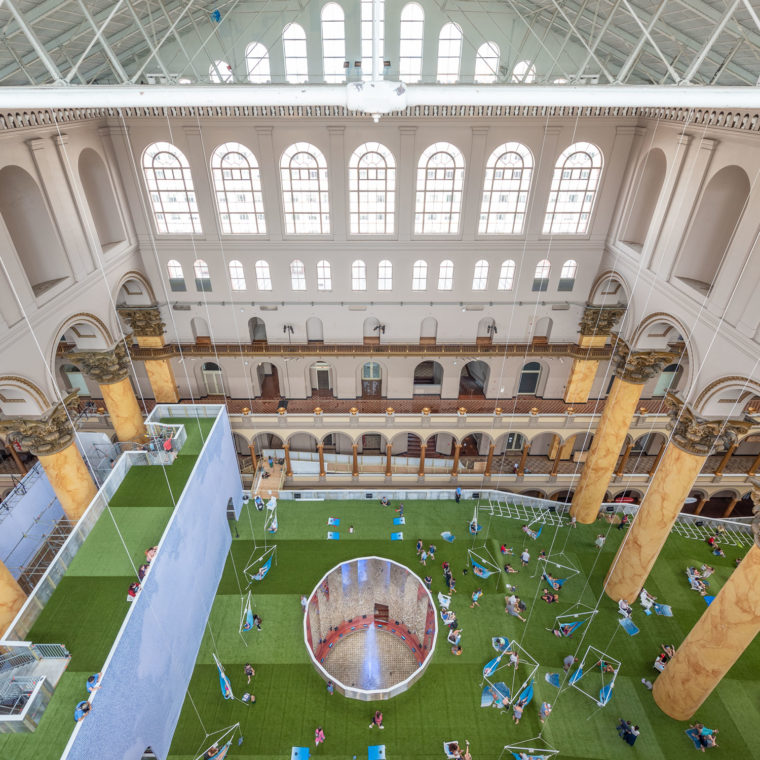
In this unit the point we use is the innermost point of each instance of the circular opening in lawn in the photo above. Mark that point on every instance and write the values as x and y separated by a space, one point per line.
370 628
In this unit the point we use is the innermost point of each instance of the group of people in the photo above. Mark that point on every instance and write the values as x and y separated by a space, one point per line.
82 710
514 606
423 553
142 571
704 736
628 732
664 657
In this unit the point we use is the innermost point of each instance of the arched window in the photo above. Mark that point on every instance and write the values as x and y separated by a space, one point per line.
506 275
333 43
371 371
668 379
440 178
213 378
238 190
524 72
372 190
297 275
303 173
324 276
487 63
419 275
170 184
176 277
567 275
385 275
220 72
509 170
410 43
529 378
446 275
263 277
573 191
237 275
449 53
366 8
480 275
202 276
541 276
257 63
294 49
358 275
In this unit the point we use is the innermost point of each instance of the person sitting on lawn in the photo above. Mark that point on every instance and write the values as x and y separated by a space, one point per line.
549 597
718 552
705 736
706 571
606 667
668 650
385 501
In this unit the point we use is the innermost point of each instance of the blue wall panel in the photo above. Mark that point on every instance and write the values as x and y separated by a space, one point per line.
149 668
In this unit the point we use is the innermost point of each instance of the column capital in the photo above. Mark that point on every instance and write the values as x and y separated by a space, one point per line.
699 436
145 321
106 366
599 320
36 143
44 434
641 366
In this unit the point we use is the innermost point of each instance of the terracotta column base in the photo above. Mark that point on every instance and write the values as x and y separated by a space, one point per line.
12 598
670 486
727 627
605 450
70 479
126 417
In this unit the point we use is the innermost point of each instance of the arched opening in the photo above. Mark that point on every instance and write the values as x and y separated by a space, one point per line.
134 292
473 380
508 449
668 379
213 379
486 331
746 455
575 448
439 453
542 331
337 450
712 228
529 379
100 199
563 497
201 333
74 379
314 332
628 496
31 230
543 451
643 453
372 377
646 193
269 380
428 377
719 503
428 331
372 330
664 336
243 452
473 452
321 380
257 330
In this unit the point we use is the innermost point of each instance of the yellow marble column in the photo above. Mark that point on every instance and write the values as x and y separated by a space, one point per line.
388 468
489 461
110 368
692 440
354 460
126 415
632 371
421 471
321 452
12 597
50 437
288 467
148 328
727 627
455 465
523 457
595 328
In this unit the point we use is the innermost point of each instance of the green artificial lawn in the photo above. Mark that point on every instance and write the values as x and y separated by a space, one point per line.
88 607
291 699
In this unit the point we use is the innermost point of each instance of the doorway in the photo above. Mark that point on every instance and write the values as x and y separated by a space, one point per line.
371 380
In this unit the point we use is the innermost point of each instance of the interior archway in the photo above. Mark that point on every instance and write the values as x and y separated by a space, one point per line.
646 194
100 199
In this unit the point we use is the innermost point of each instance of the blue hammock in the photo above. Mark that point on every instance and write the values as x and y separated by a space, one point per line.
448 536
475 529
500 643
491 666
605 693
222 753
526 695
525 756
664 610
534 534
493 695
224 682
575 677
263 570
568 629
248 617
558 581
479 570
553 679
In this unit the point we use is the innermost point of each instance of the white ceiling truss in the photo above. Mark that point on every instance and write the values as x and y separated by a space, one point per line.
615 42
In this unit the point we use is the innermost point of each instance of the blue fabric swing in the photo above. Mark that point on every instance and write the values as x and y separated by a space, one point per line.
534 534
605 693
558 581
693 734
491 666
576 676
553 679
526 695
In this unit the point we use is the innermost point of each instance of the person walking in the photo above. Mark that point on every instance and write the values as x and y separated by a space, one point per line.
458 494
330 688
428 582
423 558
475 596
249 671
600 539
377 720
319 736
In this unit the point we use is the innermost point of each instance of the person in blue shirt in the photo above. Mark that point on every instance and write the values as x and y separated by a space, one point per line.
93 682
81 710
458 494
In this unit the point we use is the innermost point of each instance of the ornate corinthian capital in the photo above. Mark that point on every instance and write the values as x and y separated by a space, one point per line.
44 434
641 366
111 365
599 320
699 436
145 321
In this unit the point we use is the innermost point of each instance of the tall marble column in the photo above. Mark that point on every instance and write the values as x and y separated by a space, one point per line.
421 471
692 440
12 597
717 640
632 370
50 437
595 329
109 368
148 327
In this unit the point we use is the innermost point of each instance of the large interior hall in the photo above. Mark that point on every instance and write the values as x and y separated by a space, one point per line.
293 290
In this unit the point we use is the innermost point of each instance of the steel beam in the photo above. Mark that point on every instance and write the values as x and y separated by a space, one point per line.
38 47
612 96
689 75
117 67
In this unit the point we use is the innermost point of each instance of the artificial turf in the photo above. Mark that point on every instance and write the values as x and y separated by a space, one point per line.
291 699
86 610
